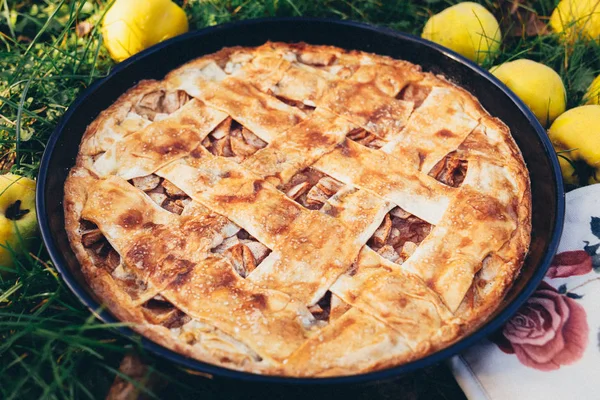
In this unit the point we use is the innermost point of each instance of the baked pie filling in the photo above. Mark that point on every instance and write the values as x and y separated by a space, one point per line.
299 210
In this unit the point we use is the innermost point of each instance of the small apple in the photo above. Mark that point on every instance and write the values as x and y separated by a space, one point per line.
18 221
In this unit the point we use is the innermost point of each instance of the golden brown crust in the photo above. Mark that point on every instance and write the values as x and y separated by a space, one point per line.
113 115
224 247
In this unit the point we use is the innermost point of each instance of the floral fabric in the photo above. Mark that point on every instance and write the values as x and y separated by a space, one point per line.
550 349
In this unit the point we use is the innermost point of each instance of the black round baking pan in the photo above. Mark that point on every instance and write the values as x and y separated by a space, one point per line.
155 62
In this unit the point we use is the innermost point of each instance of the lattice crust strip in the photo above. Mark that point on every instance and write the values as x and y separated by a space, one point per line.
213 226
143 152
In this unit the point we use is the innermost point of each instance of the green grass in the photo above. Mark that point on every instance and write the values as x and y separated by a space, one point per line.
50 346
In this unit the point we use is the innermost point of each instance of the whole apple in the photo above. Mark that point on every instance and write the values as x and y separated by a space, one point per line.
18 220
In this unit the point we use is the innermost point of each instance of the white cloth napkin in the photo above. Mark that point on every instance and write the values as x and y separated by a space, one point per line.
551 348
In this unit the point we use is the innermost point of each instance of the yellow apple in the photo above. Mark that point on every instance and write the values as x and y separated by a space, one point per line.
576 135
577 18
467 28
538 85
592 95
18 221
131 26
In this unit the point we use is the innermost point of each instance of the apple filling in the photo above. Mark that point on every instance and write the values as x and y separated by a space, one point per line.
104 256
98 247
414 92
399 235
162 192
329 308
365 138
160 311
451 171
230 139
298 104
160 103
322 309
311 188
244 252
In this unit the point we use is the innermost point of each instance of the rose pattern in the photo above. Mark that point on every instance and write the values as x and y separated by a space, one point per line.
550 330
570 263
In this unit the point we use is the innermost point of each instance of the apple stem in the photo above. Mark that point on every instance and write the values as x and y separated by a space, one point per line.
14 211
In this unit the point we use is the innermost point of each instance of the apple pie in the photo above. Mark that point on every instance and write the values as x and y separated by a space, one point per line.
299 210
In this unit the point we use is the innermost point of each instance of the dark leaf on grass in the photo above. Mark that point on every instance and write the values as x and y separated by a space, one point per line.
517 18
134 381
84 28
595 225
23 39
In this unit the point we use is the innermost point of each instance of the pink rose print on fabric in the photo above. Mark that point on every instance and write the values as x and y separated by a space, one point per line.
550 330
570 263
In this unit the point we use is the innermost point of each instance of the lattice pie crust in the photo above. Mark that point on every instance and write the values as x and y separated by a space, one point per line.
299 210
